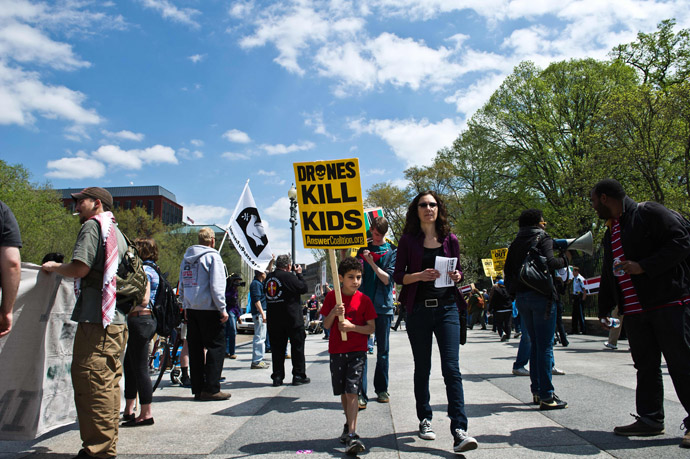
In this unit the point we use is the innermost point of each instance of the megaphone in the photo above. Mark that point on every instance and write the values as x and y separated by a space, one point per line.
583 243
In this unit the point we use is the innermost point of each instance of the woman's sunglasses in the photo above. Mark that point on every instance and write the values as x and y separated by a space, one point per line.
424 205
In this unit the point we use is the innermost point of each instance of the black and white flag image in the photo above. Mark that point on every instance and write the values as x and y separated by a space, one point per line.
247 232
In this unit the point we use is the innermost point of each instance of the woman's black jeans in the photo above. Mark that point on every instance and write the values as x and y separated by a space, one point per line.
137 378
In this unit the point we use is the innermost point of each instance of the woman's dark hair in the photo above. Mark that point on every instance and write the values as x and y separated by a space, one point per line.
53 256
147 248
610 187
530 217
412 225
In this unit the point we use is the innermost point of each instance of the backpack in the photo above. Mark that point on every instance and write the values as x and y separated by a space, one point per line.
166 306
480 301
131 279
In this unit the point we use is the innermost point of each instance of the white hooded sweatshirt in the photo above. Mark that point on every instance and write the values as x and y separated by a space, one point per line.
202 279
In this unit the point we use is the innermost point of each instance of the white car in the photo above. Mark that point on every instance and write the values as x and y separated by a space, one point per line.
245 324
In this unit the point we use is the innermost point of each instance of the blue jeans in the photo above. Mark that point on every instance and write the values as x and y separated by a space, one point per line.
382 332
258 344
524 351
444 323
533 307
230 333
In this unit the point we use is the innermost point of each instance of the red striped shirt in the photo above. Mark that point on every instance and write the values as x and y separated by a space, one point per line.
631 302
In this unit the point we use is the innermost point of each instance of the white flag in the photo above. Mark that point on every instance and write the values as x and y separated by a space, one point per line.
247 232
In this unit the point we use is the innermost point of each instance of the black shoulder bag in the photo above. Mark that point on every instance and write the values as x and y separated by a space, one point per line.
534 272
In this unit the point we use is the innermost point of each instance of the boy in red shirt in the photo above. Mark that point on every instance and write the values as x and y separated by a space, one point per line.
348 357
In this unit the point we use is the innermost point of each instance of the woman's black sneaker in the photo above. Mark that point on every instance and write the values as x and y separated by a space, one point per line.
553 403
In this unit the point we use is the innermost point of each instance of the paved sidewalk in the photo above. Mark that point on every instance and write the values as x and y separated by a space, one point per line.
305 421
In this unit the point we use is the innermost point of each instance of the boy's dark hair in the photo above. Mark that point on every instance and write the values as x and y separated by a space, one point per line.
529 217
53 256
349 264
610 187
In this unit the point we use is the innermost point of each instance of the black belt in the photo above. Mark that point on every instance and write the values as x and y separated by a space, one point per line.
434 303
145 312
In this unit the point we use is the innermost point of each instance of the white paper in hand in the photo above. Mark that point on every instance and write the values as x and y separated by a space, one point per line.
444 266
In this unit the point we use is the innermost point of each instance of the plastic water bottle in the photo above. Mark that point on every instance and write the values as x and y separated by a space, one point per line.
617 270
611 322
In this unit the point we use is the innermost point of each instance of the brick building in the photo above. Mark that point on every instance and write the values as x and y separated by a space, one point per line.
156 200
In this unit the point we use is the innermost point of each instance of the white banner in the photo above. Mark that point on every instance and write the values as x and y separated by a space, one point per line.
247 232
35 385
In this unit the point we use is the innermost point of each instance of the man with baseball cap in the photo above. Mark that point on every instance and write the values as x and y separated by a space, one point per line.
102 332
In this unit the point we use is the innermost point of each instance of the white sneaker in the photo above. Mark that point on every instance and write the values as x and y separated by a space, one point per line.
556 371
463 442
522 371
608 345
425 430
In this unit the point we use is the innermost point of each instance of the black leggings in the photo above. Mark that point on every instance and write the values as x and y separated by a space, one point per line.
502 322
137 378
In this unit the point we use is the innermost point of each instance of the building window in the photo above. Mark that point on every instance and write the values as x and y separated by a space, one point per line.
128 205
140 203
116 204
151 207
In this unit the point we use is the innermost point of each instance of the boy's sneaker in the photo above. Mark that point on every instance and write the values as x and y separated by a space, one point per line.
259 365
556 371
425 430
638 428
343 436
553 403
522 371
608 345
353 444
361 402
463 442
382 397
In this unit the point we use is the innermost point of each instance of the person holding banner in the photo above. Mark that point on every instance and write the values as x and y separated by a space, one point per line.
10 266
433 310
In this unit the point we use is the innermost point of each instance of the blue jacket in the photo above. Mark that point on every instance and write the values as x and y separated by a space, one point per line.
379 294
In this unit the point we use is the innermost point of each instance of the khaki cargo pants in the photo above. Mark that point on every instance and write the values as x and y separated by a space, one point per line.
96 373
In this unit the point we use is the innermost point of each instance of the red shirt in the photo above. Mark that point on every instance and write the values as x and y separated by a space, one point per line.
359 310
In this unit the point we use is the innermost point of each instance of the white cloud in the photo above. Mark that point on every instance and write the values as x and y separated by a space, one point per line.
414 142
234 156
375 172
75 168
469 100
280 149
237 136
27 44
135 159
124 135
22 95
169 11
315 121
197 142
185 153
241 9
267 173
196 58
206 215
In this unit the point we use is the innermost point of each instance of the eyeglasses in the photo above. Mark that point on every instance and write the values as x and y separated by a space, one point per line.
424 205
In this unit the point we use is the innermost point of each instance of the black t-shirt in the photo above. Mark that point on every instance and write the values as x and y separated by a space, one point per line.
283 290
426 290
9 229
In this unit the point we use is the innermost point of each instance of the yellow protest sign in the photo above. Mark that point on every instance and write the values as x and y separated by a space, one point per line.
498 256
488 264
329 196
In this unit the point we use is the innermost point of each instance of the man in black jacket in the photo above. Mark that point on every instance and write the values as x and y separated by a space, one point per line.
537 310
285 320
645 273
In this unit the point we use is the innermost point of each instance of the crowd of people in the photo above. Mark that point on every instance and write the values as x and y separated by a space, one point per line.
645 278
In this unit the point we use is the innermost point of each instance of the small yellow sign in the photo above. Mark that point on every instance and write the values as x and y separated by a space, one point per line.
488 264
329 195
499 258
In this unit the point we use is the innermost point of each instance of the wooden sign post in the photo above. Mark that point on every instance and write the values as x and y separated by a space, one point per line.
329 196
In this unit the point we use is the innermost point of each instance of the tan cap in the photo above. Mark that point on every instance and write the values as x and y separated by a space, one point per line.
95 192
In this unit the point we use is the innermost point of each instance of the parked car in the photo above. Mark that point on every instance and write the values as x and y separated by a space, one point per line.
245 324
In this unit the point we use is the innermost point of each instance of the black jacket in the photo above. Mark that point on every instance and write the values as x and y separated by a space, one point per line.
283 290
517 252
653 237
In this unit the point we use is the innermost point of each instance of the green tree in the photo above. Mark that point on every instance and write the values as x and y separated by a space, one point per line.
394 201
137 223
45 225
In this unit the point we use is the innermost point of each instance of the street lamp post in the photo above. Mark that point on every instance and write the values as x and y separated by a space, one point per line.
292 194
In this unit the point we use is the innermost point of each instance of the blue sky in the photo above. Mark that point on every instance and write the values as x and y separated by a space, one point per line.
200 95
